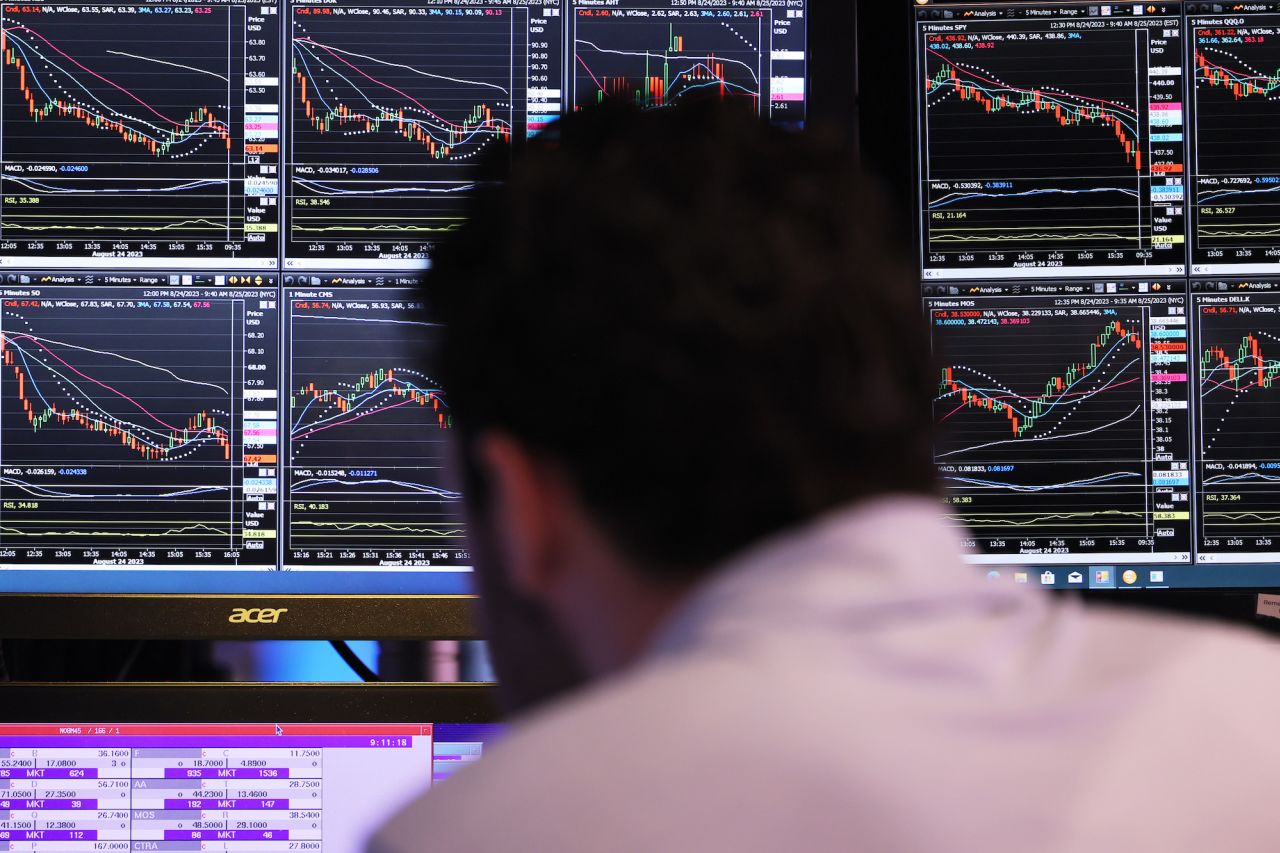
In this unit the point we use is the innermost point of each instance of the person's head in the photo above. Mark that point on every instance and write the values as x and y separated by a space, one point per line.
669 335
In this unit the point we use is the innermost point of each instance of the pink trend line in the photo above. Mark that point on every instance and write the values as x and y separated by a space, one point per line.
589 71
356 418
1023 89
1219 384
379 82
1232 71
141 407
95 74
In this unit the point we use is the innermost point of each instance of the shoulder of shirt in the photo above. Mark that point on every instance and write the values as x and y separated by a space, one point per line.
570 766
608 761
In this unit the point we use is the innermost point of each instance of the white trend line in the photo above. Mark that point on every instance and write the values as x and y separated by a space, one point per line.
405 67
1083 397
164 62
218 388
1043 437
89 94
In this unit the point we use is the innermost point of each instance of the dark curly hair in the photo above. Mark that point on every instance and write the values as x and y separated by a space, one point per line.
707 321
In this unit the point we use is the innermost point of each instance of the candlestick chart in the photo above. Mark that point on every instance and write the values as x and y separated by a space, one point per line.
367 471
1042 424
392 115
123 128
121 427
1239 411
1236 114
1037 149
663 58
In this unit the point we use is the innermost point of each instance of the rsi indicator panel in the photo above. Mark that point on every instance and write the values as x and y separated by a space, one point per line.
660 53
397 112
1235 100
1051 139
367 479
1063 420
144 133
137 426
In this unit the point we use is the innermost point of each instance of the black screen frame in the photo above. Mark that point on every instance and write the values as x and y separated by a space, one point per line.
71 616
247 703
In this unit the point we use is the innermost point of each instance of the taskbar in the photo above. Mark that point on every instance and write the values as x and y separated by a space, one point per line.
1108 576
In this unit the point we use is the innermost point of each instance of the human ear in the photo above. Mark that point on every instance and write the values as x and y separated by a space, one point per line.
523 494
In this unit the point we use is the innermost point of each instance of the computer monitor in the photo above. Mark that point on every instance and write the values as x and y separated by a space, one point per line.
216 419
214 767
1099 249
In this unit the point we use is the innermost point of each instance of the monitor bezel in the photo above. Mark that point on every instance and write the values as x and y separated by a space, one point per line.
146 702
126 616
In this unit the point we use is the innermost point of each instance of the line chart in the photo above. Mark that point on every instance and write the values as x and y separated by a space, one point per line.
656 53
1050 146
1236 111
658 62
393 113
124 133
1239 466
1049 425
367 425
43 70
987 414
1024 413
121 429
993 96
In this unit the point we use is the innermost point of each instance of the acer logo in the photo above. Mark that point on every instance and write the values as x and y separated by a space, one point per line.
256 615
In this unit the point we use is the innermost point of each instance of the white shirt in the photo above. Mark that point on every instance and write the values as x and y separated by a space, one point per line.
854 686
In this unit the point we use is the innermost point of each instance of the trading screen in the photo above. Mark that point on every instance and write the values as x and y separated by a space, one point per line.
228 787
1098 217
145 134
366 435
391 107
658 53
213 360
137 425
1234 88
1063 423
1052 139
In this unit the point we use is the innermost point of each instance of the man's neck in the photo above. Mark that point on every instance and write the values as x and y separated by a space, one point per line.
613 617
